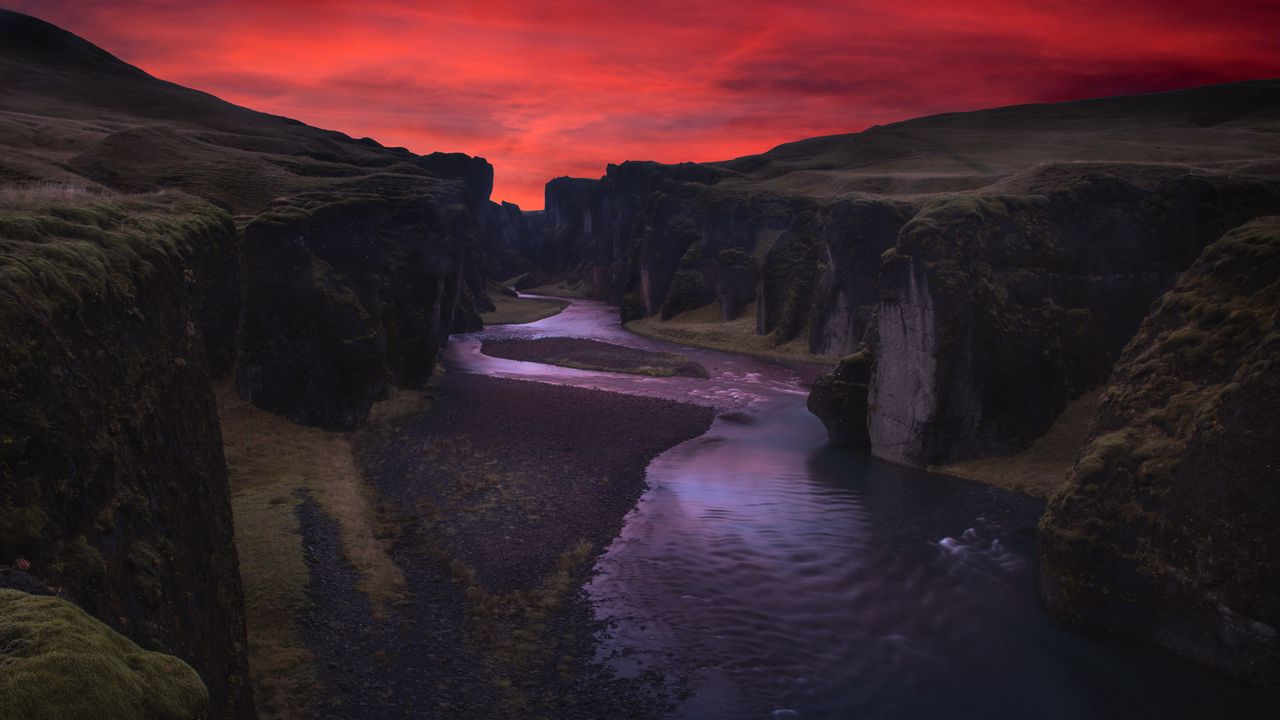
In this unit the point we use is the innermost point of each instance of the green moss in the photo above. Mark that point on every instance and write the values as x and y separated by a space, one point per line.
20 529
1103 452
733 257
59 257
80 564
57 663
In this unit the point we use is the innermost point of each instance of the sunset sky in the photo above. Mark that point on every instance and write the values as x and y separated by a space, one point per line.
544 89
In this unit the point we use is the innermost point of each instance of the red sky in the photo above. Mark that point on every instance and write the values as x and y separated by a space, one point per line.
544 89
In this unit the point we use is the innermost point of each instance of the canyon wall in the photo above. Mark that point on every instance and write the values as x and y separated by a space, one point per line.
984 290
154 238
1166 527
997 310
983 313
666 239
112 480
348 294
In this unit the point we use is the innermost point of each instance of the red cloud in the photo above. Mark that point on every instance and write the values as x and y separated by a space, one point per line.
554 88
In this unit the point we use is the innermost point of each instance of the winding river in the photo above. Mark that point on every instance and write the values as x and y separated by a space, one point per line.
779 577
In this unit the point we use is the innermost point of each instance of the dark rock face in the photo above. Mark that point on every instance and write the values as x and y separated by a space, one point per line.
669 238
1167 528
510 238
474 172
996 311
570 220
345 295
839 399
988 313
608 232
112 480
14 579
855 233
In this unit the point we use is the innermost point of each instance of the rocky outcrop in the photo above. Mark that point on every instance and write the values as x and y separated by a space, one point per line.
839 399
112 481
995 311
347 294
1167 528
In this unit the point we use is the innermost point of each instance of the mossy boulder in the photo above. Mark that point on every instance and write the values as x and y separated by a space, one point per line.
58 663
839 399
1166 528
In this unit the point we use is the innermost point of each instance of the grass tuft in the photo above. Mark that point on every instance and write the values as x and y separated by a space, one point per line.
703 328
518 311
269 459
1042 468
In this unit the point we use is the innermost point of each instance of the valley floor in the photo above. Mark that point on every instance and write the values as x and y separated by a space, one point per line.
447 581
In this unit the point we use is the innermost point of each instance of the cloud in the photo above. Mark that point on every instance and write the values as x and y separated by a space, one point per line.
564 87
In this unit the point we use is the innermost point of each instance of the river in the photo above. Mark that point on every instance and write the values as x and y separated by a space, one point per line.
775 576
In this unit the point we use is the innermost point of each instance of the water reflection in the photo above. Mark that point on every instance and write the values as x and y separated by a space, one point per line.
785 578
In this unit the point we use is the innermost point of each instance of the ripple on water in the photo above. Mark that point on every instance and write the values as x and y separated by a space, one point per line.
787 579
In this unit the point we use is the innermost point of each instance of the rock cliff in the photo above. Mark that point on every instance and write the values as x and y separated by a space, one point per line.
1166 528
112 480
839 399
996 310
347 294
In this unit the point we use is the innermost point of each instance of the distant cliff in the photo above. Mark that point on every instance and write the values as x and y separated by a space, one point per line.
1167 527
993 263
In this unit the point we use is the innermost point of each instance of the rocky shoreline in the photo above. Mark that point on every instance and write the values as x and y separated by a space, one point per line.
502 493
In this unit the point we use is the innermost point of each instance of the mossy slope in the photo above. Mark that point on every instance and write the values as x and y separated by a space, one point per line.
57 663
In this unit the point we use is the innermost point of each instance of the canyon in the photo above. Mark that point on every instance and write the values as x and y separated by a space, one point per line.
956 285
978 273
